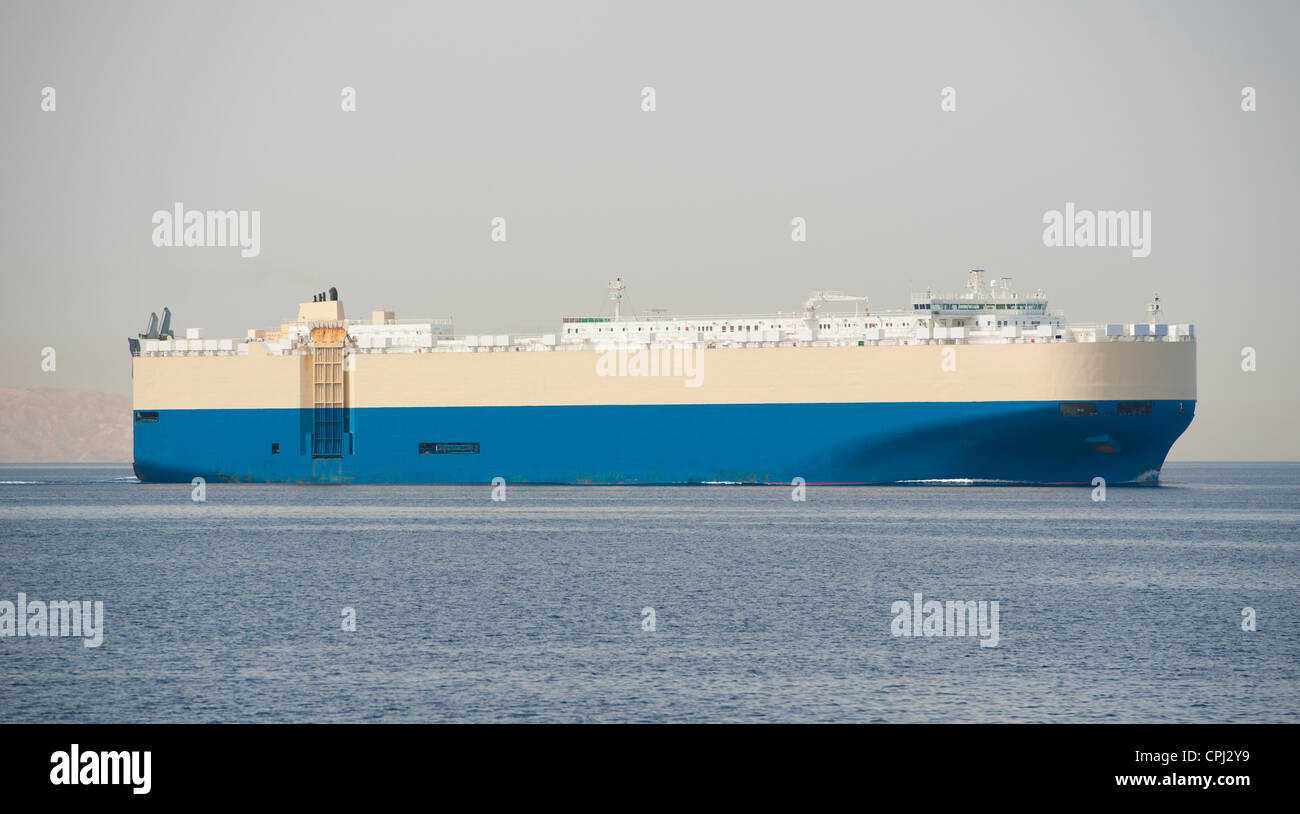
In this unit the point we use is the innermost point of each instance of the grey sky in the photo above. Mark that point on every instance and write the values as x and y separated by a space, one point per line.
531 111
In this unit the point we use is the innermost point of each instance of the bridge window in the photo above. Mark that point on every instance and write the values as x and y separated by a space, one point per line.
1134 408
146 416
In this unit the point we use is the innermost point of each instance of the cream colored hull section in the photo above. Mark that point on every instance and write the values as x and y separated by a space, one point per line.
1072 371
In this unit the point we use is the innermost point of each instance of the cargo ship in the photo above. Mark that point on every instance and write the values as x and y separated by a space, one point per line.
982 385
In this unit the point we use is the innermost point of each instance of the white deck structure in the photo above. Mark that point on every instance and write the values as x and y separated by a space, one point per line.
983 314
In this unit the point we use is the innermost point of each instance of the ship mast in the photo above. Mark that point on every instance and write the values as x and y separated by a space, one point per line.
616 288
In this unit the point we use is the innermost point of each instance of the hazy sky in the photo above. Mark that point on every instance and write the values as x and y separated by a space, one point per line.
765 112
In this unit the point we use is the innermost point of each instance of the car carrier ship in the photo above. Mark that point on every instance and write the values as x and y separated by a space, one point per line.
986 385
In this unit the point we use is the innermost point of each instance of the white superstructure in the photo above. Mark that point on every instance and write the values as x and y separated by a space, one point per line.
982 314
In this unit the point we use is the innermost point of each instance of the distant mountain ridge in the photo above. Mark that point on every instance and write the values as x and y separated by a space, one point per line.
58 425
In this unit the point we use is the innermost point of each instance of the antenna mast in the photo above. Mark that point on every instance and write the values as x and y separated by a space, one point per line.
1153 309
616 288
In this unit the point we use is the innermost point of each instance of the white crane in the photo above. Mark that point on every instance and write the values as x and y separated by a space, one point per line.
810 307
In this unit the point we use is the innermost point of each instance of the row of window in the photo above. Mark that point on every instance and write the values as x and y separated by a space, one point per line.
979 306
702 328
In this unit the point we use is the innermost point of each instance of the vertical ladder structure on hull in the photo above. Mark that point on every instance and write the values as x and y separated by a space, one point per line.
327 368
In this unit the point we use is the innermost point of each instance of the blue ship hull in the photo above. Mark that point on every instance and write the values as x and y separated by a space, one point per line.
870 443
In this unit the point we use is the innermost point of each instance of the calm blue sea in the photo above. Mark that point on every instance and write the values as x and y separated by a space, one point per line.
765 609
